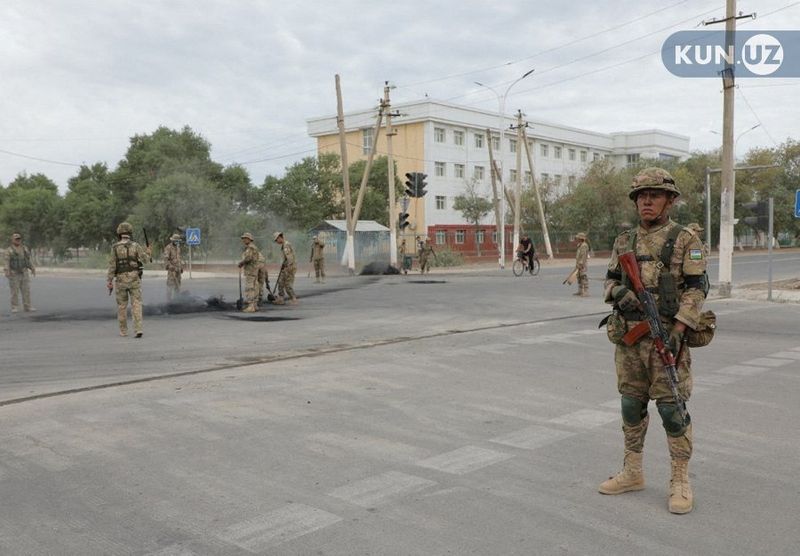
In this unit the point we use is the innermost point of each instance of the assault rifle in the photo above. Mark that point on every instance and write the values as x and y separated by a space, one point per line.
658 332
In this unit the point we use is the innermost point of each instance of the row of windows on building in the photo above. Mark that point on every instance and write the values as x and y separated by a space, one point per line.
440 136
479 174
460 236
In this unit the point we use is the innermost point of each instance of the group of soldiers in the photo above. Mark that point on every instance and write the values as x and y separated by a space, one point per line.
425 254
253 266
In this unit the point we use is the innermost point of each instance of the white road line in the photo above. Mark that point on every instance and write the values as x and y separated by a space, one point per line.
533 437
786 355
284 524
173 550
464 460
742 370
379 489
715 379
767 362
585 419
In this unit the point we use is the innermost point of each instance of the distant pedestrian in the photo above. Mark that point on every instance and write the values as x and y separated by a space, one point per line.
288 269
318 258
171 257
581 265
18 265
249 265
125 266
405 256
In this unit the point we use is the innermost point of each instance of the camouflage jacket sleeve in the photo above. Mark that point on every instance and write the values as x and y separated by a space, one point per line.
249 255
688 266
112 265
288 254
7 261
141 252
614 273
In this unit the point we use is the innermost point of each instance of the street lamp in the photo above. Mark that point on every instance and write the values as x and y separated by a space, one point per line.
736 142
501 100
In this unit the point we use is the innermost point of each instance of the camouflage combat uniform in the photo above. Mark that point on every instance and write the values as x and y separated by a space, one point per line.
288 270
18 266
262 280
124 267
581 262
173 264
249 265
425 254
318 258
666 253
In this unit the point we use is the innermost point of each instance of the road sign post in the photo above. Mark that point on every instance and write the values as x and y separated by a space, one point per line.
192 239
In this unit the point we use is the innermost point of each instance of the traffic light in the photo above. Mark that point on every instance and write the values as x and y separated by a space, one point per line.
760 220
421 184
411 184
403 221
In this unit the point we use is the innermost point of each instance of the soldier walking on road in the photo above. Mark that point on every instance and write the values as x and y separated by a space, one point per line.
125 266
288 269
249 265
318 258
17 265
581 262
171 257
425 256
672 266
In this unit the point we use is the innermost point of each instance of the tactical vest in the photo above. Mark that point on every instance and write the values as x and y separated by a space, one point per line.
668 294
126 261
18 263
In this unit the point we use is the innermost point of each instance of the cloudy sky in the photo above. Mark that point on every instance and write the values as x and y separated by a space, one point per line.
78 78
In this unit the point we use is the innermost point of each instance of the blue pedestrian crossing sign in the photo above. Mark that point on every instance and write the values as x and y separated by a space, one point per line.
192 236
797 204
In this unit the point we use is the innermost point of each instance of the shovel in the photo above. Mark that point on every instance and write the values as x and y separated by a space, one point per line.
240 301
571 278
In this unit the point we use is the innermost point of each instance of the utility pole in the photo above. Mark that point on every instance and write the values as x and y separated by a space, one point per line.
728 193
535 186
493 173
390 132
518 184
349 250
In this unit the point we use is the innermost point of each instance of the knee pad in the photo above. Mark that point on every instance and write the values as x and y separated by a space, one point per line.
671 418
633 410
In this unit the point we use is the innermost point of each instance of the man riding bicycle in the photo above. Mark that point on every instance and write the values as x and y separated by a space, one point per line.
525 251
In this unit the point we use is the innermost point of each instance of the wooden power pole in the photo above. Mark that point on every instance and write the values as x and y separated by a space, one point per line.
390 173
348 258
518 184
493 170
535 185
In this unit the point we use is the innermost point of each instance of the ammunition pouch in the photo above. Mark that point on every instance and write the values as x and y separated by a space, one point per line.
616 327
668 304
125 262
704 332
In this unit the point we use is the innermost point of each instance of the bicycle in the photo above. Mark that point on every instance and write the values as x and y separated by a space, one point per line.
520 265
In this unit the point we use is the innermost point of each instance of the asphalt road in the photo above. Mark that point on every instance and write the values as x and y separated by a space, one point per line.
466 413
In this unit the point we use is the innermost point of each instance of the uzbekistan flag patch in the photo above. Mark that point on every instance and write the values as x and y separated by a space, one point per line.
696 254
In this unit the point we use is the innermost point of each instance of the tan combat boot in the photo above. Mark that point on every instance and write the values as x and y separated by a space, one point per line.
681 498
249 309
629 479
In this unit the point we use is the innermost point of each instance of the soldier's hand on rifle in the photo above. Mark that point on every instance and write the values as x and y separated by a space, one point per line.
33 272
625 299
110 286
241 264
676 338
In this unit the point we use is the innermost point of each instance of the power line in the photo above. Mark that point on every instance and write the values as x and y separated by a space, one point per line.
760 123
39 159
546 51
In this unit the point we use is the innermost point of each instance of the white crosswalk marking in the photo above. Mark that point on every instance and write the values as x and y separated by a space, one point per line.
464 460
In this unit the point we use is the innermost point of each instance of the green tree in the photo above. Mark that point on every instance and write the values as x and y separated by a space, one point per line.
88 218
376 197
308 193
473 206
34 211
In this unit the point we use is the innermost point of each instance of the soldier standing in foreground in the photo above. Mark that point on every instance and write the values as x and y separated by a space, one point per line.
18 263
672 266
125 265
425 256
581 262
288 269
250 264
171 256
318 258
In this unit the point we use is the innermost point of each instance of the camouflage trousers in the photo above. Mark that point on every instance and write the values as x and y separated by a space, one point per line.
286 282
173 284
319 268
424 265
640 375
129 288
20 283
583 279
251 288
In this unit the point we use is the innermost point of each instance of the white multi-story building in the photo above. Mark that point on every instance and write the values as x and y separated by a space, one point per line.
450 144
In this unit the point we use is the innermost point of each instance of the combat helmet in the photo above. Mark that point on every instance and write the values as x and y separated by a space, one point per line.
248 235
581 236
175 237
653 178
124 228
